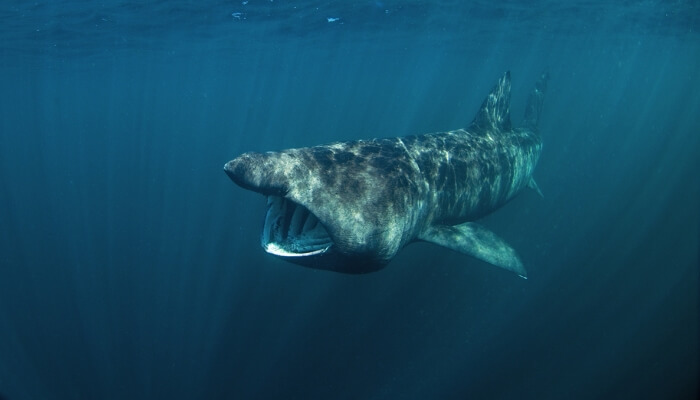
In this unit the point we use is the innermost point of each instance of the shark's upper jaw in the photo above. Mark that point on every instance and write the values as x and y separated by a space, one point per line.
291 230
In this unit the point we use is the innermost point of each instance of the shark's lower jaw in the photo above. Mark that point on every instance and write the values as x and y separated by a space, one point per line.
291 230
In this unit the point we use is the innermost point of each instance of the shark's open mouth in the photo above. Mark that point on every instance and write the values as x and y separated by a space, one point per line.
291 230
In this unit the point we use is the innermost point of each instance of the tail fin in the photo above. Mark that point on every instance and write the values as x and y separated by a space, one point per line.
534 103
495 111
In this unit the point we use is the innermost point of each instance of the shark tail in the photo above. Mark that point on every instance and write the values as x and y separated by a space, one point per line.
534 103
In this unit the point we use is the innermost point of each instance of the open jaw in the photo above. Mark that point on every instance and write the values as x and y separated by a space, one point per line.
291 230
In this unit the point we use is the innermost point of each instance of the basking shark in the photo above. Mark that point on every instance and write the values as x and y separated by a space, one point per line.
351 206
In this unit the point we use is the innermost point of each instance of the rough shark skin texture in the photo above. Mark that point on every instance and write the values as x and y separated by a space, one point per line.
375 196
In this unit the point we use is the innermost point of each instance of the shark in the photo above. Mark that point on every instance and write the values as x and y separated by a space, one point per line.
350 206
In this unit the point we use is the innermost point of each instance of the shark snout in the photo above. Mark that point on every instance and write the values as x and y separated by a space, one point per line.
236 169
257 172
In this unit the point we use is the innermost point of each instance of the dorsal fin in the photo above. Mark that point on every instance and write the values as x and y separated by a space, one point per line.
495 111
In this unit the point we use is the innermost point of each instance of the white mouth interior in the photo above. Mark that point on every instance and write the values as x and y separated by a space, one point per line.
291 230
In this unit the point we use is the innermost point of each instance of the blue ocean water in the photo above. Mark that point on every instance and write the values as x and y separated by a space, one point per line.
130 265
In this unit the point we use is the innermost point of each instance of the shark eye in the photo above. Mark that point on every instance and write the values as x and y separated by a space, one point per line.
291 230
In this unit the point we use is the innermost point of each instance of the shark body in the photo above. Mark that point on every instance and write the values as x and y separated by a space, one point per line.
351 206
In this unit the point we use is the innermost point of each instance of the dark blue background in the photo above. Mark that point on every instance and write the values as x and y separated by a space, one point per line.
130 265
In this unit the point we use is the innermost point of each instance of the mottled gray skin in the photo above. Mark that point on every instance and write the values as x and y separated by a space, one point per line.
376 196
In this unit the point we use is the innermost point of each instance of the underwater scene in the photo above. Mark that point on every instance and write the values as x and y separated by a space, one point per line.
375 199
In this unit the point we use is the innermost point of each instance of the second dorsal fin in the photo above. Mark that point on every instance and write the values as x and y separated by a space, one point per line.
495 110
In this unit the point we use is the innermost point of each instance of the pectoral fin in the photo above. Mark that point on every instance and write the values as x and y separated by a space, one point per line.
474 240
533 185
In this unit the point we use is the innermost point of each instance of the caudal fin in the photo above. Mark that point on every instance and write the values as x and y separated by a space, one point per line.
534 103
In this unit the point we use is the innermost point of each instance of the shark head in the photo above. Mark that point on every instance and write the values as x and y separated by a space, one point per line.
336 207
